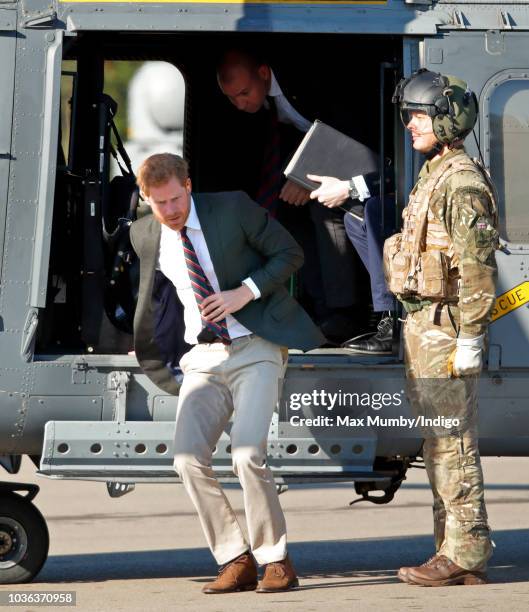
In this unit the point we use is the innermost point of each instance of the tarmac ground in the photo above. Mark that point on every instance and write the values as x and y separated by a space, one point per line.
145 550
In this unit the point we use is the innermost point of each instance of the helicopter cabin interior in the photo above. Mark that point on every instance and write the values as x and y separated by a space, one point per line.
345 80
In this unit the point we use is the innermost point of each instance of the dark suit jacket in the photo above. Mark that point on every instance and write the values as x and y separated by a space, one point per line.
323 103
243 241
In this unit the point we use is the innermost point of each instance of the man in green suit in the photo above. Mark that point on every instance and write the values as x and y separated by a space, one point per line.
228 261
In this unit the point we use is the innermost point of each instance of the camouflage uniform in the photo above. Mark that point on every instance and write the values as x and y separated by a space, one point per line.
460 222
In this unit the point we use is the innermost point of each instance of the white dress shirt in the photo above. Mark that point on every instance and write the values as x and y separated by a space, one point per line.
171 263
286 113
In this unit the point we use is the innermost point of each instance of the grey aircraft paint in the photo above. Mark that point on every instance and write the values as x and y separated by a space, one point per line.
91 415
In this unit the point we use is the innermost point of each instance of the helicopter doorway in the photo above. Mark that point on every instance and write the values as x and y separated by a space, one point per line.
217 142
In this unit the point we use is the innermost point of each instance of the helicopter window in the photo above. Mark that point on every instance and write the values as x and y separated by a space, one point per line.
7 49
137 109
150 98
68 101
509 141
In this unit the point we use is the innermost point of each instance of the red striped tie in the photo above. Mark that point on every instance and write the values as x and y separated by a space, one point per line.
270 176
201 286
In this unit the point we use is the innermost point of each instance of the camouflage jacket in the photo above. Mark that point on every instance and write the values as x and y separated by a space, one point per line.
464 204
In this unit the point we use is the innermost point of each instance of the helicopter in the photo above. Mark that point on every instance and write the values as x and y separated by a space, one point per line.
73 397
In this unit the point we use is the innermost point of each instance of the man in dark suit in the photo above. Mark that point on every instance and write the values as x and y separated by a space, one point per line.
329 276
228 261
367 236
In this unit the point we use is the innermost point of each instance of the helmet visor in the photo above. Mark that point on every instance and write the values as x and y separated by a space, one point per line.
407 112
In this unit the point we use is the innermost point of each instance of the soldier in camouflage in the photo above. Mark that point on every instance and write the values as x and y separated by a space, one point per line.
442 268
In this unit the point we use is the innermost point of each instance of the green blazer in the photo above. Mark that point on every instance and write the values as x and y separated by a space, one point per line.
243 241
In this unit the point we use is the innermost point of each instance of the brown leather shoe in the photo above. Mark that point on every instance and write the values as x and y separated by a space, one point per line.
440 571
402 574
237 575
278 576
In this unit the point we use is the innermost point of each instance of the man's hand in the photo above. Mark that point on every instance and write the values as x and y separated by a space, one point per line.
467 358
216 306
332 192
294 194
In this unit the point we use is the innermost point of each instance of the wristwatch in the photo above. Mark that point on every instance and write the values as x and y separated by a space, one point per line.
353 191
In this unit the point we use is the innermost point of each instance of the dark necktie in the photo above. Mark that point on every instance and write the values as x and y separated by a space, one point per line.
202 289
270 177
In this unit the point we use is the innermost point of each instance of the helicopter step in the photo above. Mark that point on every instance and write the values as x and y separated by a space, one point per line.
140 451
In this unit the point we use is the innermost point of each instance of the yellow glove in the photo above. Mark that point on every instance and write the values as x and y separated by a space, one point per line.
450 364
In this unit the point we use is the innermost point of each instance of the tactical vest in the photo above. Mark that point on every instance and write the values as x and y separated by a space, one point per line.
420 261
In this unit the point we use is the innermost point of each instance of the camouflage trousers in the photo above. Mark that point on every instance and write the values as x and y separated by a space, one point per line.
451 456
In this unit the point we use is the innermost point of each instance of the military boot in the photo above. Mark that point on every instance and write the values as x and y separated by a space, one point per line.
237 575
403 571
441 571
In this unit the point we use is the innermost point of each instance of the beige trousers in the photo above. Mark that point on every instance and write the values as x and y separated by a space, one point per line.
242 378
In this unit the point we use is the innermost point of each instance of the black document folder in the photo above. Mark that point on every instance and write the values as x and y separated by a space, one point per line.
328 152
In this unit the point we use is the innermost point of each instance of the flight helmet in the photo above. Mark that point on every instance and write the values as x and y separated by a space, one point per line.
452 106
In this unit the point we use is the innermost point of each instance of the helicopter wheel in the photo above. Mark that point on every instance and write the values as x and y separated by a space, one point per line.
24 540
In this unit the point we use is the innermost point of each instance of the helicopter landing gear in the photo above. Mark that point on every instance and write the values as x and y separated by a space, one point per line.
24 539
